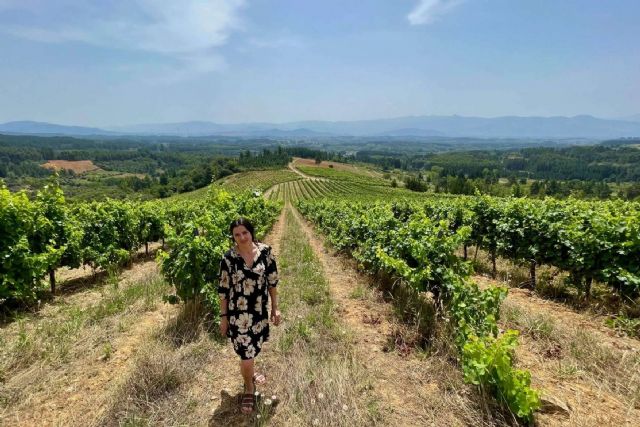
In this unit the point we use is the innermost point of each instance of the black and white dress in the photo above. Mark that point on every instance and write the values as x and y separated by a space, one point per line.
246 289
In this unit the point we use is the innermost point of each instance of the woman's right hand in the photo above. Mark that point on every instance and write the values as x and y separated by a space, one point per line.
224 326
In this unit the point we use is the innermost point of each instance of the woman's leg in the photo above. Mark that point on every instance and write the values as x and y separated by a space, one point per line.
247 370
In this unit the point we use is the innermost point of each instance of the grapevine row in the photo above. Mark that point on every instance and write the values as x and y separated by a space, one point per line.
590 240
46 233
313 189
258 180
343 175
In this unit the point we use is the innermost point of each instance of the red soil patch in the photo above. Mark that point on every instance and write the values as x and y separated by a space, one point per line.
297 161
78 166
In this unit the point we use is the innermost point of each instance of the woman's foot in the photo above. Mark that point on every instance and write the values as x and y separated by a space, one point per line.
247 403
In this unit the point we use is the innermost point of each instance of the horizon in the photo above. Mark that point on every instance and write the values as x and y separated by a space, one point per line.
114 126
105 65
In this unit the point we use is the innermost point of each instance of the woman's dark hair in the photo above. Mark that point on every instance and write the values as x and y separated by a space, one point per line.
244 222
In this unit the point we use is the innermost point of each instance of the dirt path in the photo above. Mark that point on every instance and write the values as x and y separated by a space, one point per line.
275 236
302 174
409 393
290 166
590 401
270 190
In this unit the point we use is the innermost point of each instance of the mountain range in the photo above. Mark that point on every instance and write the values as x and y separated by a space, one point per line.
583 126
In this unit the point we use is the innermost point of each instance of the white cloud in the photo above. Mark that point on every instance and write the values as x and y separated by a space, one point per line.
427 11
188 31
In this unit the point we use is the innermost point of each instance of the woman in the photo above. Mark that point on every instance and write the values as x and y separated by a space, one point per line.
248 278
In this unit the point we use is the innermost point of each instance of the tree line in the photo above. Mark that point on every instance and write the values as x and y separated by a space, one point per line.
602 162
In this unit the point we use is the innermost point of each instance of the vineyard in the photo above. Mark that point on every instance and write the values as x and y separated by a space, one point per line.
258 180
327 188
503 358
343 175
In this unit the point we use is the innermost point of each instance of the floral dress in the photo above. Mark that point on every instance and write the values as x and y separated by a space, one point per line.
246 290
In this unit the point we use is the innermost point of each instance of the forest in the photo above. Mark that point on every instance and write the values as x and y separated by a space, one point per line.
150 167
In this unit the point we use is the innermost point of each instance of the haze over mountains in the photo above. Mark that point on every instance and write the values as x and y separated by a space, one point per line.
583 126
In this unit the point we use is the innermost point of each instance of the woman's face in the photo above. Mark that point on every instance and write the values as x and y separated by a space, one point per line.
241 235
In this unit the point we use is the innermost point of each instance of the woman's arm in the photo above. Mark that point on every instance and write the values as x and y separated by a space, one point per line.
275 313
224 316
272 282
223 292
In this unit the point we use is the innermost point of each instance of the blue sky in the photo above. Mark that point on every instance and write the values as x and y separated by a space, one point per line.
101 63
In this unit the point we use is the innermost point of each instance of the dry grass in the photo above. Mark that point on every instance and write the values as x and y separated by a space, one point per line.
538 326
158 372
574 353
156 390
187 327
59 362
75 328
325 387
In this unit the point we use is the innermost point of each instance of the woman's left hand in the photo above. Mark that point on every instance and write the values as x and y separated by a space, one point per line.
276 317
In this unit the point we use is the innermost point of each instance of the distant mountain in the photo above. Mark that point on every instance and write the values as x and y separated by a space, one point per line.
453 126
411 132
39 128
413 126
499 127
293 133
210 128
193 128
634 118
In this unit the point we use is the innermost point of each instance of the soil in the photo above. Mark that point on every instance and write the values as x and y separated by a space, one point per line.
78 166
587 401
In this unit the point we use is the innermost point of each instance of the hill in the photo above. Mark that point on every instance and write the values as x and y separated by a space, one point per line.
582 126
